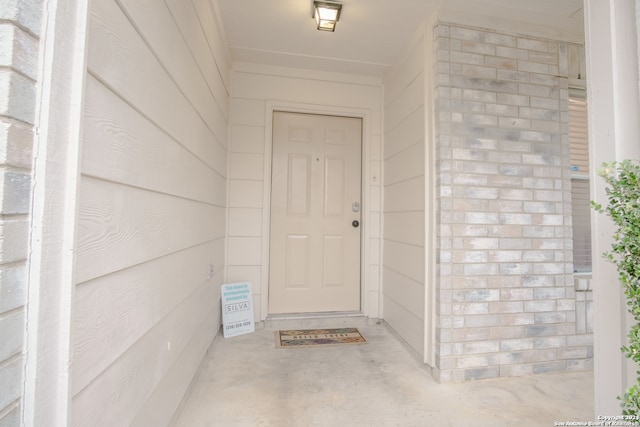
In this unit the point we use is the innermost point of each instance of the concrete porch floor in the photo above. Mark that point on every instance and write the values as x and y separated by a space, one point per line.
247 381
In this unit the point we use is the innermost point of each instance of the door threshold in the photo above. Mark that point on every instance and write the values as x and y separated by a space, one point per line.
316 320
320 315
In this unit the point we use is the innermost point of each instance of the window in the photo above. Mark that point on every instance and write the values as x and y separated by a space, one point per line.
580 200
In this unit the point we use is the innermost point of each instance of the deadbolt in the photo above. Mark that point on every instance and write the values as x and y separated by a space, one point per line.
355 223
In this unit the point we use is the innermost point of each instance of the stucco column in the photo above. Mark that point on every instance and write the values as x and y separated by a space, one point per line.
614 134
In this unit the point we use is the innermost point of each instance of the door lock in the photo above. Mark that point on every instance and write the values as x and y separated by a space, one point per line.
355 223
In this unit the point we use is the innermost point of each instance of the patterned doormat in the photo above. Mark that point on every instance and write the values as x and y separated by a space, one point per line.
311 337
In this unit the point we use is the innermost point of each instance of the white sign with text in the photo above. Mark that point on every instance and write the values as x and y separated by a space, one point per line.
237 309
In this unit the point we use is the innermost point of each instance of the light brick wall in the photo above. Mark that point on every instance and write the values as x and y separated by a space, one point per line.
19 54
506 301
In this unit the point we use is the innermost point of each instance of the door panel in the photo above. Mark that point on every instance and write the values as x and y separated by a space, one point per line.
297 260
335 187
316 180
299 185
333 261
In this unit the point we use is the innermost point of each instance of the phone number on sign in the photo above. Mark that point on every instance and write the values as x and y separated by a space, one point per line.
237 325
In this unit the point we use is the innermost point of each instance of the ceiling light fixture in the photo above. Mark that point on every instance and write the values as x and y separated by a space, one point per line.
326 15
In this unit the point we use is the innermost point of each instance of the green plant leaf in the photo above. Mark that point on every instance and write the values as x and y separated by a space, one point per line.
623 207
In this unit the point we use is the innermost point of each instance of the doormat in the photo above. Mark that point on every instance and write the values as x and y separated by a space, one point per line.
311 337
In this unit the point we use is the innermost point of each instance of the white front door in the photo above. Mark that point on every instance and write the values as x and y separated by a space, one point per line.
315 214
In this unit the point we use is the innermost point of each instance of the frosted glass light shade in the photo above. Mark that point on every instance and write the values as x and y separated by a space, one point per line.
326 15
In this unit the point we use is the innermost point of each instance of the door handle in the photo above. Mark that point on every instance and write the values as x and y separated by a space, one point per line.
355 223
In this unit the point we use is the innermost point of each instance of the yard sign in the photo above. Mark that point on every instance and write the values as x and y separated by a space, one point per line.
237 309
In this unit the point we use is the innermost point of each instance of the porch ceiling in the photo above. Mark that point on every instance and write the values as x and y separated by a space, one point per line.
371 34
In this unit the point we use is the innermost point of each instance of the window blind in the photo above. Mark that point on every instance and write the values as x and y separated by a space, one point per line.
580 196
579 136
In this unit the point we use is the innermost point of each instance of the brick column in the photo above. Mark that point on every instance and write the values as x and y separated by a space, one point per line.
19 51
506 298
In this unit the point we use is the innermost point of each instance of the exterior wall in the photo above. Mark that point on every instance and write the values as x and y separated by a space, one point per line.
151 210
19 55
404 198
506 298
257 91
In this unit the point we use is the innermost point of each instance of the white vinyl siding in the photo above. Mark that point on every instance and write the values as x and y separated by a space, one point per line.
404 199
152 206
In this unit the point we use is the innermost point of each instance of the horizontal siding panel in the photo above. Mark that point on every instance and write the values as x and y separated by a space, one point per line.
409 327
292 89
152 208
166 397
306 73
244 250
245 194
404 73
121 226
119 57
373 149
245 222
408 102
408 293
405 165
214 33
133 300
13 288
155 22
246 166
116 396
212 62
403 271
409 132
11 380
121 145
12 333
405 227
247 139
405 259
12 415
253 274
248 112
14 246
405 196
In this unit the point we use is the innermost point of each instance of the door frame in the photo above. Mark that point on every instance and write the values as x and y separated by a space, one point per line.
366 306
